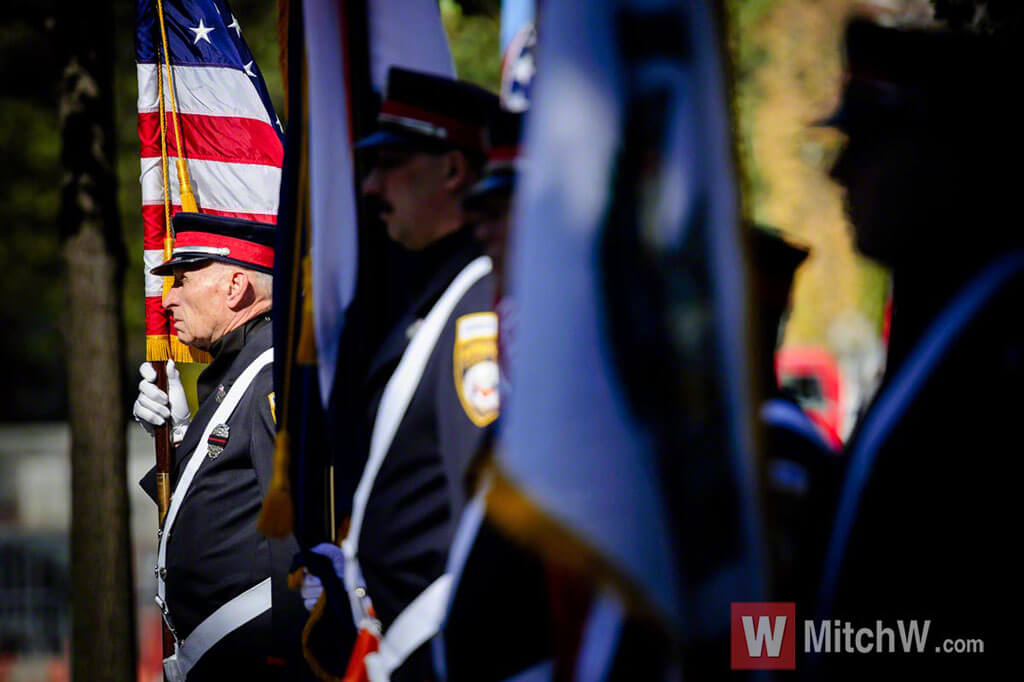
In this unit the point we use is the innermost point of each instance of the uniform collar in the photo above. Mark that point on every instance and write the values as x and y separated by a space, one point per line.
437 266
224 351
430 270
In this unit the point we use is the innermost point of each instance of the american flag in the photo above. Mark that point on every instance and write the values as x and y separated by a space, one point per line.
230 136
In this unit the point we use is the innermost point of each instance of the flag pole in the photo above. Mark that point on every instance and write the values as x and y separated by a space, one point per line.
162 443
164 448
157 353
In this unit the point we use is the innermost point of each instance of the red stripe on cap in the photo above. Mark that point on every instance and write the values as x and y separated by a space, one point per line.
456 132
215 138
499 154
153 228
240 249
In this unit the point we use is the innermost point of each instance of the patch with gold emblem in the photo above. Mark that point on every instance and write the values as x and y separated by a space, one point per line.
273 406
476 366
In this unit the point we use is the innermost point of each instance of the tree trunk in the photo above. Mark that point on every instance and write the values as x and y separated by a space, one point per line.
103 609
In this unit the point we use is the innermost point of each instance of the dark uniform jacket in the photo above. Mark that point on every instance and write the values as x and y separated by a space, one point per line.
932 537
498 624
419 492
214 551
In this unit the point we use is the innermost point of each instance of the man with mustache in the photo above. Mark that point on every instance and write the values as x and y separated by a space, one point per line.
431 387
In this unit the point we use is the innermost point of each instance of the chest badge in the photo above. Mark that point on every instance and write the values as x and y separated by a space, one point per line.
217 441
475 361
219 395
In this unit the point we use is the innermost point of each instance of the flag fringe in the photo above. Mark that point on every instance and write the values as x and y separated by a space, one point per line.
158 348
525 522
276 515
182 353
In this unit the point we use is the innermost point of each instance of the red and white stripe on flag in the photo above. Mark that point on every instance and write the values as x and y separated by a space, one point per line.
229 134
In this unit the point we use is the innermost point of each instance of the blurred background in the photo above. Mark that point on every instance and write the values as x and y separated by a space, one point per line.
787 73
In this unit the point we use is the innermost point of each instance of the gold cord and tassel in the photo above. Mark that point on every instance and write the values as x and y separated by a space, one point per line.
305 354
277 515
170 348
188 199
307 651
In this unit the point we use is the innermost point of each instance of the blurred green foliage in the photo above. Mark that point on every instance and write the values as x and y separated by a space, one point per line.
31 297
473 34
747 57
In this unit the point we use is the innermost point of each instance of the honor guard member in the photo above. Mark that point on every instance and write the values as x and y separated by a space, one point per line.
221 584
933 468
497 620
432 386
801 465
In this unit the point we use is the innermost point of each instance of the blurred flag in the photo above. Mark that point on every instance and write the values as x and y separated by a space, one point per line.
516 17
404 33
210 140
338 54
631 459
518 43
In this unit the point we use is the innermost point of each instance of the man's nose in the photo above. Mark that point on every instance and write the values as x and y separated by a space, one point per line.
170 298
372 185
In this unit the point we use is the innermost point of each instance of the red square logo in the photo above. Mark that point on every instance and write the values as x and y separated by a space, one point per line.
763 635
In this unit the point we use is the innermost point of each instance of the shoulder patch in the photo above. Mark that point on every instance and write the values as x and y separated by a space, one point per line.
273 407
475 361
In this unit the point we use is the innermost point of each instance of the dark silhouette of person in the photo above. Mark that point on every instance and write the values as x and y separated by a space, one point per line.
930 487
801 469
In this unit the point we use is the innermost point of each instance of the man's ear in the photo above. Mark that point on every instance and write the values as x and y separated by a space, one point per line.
458 171
240 291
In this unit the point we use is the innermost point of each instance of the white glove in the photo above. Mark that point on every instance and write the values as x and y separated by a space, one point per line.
312 587
152 407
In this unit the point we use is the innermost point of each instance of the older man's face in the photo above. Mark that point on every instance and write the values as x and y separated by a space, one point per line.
197 302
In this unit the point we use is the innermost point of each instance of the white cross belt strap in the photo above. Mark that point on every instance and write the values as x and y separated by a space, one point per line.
427 610
220 416
252 603
417 623
396 398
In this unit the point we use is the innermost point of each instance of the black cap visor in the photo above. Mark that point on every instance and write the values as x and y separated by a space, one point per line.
391 139
488 187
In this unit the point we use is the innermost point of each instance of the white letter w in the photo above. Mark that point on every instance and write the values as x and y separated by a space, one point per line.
764 634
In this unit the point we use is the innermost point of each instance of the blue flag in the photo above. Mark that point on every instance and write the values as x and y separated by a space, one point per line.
627 449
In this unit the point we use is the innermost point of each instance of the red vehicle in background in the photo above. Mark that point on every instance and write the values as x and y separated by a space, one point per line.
811 375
